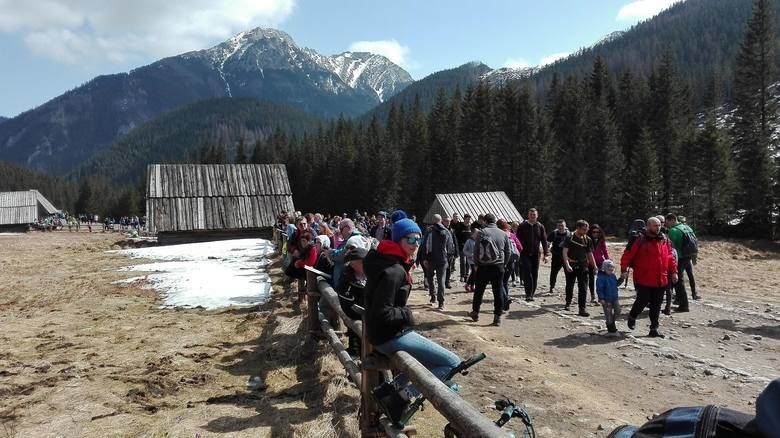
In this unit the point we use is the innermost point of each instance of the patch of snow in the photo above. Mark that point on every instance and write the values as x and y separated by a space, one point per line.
10 234
210 274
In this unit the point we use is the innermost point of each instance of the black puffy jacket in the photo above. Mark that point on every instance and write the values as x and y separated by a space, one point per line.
388 285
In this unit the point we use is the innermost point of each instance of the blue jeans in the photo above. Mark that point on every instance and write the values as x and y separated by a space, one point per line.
431 355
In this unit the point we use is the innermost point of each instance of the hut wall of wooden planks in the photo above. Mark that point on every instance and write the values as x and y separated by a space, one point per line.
206 198
23 207
474 204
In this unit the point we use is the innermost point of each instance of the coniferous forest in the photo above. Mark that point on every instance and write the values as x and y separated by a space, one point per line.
610 145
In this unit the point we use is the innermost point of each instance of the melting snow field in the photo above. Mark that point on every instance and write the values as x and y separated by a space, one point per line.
209 274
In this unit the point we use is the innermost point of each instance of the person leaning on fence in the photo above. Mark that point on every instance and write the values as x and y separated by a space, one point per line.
350 292
388 320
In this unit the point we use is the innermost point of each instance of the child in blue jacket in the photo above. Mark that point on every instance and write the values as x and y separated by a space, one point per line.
607 290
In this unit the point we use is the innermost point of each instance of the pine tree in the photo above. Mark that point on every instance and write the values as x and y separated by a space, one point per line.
671 124
602 157
714 177
754 116
642 182
241 157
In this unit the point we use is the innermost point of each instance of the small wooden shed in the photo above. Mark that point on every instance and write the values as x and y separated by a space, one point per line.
19 209
191 202
474 204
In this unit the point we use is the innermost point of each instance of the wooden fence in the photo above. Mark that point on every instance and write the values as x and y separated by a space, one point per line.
325 317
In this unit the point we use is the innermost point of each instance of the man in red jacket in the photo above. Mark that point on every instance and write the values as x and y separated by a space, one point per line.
652 258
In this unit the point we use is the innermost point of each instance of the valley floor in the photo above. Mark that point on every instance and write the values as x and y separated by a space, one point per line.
83 357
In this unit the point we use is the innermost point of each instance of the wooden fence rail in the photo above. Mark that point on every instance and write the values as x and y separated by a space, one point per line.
366 375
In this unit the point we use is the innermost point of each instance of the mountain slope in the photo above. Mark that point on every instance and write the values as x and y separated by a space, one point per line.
262 63
428 86
176 136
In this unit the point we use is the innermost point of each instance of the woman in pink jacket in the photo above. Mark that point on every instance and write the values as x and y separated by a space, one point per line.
600 253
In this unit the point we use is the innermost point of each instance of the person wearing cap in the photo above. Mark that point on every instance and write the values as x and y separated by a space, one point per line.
350 292
607 291
381 230
347 231
388 320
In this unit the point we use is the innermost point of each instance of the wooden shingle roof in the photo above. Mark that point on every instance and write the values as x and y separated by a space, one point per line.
475 203
191 197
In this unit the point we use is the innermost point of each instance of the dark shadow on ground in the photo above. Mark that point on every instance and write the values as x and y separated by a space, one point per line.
769 330
575 340
271 351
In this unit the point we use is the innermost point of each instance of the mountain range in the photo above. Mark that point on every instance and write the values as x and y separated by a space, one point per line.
70 130
261 63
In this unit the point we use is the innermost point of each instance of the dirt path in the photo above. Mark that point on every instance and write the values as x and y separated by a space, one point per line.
578 382
80 356
83 357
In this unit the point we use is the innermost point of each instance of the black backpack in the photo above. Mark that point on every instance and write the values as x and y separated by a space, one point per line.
690 245
694 422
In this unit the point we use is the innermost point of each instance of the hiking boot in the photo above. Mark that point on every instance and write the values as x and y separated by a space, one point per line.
582 312
389 401
654 333
496 320
667 311
441 306
631 323
679 309
433 299
696 296
474 316
612 328
448 286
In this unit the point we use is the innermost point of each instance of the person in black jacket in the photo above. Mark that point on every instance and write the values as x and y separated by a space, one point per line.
534 239
388 320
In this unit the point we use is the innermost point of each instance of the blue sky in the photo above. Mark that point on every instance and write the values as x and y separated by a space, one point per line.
51 46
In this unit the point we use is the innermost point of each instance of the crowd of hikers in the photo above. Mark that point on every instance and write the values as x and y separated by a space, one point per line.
370 261
60 221
661 252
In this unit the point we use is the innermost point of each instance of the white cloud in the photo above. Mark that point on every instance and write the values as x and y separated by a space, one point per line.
523 63
516 63
390 49
549 59
78 31
639 10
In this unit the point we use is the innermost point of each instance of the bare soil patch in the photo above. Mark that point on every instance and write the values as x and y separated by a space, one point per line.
83 357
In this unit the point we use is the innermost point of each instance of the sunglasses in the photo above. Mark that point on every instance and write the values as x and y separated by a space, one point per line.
414 240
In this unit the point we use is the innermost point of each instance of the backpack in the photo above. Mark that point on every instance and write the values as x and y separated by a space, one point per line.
695 422
487 250
514 253
690 245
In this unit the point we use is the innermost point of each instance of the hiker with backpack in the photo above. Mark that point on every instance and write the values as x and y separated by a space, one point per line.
577 260
515 247
652 260
557 239
490 253
684 241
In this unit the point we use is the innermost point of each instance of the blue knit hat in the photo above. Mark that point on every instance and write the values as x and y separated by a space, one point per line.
397 216
403 228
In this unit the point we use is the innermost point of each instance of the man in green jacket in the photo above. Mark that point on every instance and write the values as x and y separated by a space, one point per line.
684 242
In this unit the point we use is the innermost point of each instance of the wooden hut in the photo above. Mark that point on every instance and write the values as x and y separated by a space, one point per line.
193 202
474 204
19 209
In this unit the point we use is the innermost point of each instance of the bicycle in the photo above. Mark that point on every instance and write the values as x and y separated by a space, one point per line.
509 410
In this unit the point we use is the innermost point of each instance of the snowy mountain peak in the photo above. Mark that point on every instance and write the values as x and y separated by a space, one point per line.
260 49
501 76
